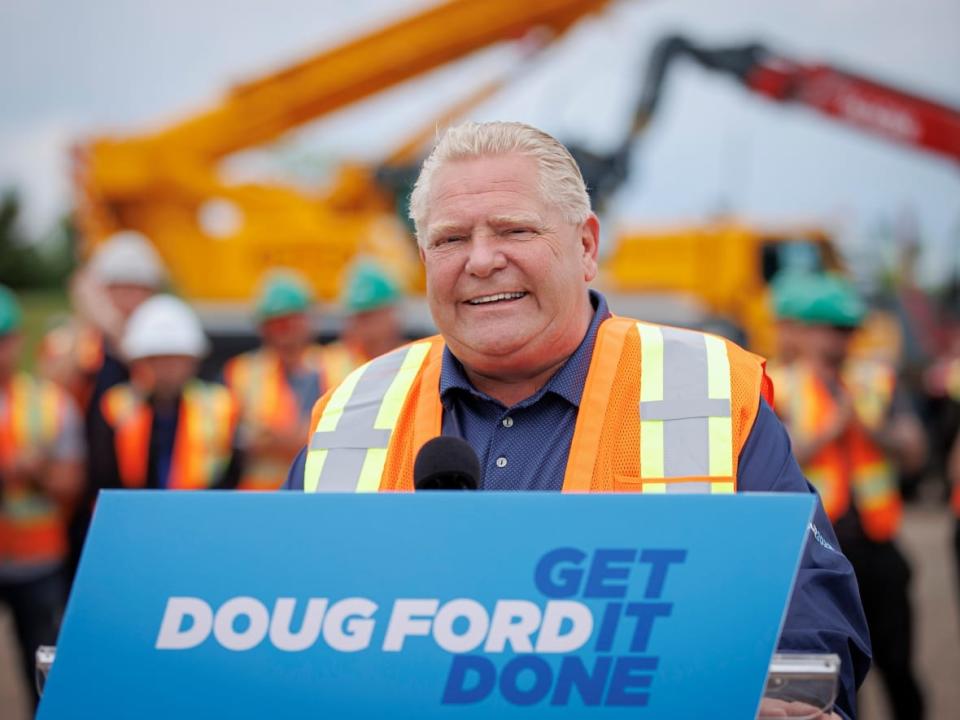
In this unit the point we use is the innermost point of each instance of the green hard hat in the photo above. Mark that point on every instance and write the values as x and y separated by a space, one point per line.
833 300
10 315
369 287
791 290
283 293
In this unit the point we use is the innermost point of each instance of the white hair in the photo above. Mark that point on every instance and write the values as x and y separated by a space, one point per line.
561 183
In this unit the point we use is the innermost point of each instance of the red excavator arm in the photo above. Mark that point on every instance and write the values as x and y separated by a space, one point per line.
864 103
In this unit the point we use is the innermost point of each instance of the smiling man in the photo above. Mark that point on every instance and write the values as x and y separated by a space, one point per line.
552 391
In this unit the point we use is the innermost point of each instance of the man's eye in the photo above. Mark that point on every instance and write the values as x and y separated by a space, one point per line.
519 231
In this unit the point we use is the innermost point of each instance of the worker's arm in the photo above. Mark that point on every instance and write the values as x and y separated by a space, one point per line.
92 303
901 434
806 449
56 469
825 613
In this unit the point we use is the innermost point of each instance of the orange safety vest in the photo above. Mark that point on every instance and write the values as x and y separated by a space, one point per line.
266 400
79 346
640 427
852 467
343 358
203 444
32 525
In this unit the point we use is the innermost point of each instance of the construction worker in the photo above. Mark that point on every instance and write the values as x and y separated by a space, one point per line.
276 385
168 429
122 273
536 374
372 325
82 353
848 428
787 290
41 477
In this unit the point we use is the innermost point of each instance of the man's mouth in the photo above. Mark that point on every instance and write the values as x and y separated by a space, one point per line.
496 298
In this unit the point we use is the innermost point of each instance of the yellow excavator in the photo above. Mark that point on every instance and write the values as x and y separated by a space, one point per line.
218 237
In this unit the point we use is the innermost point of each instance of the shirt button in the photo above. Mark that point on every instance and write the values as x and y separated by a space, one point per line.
508 422
501 462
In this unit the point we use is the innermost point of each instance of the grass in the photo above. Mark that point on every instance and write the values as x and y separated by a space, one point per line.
39 307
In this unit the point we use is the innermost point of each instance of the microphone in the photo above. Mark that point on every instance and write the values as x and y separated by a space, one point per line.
446 463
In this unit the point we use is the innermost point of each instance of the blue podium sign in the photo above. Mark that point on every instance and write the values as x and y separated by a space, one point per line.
427 605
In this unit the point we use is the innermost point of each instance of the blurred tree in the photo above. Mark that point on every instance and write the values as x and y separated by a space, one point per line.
28 265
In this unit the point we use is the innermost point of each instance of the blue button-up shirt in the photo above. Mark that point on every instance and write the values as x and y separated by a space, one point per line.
525 447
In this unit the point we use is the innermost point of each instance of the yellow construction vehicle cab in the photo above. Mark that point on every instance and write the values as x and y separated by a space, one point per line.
723 267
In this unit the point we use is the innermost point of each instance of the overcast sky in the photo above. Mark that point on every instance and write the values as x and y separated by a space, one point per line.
98 66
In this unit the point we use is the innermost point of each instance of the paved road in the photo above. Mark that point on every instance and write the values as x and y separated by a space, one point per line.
926 538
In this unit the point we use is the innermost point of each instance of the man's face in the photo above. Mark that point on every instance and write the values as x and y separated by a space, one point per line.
164 375
507 275
127 298
789 340
827 346
376 331
287 333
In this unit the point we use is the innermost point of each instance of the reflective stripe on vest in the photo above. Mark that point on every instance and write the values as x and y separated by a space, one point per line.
686 428
349 446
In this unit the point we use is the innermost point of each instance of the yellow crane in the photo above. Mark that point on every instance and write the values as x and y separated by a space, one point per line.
217 238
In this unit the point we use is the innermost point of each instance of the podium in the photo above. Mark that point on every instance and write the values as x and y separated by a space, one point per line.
428 605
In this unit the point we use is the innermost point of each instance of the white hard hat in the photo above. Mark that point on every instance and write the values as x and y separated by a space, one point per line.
164 325
127 258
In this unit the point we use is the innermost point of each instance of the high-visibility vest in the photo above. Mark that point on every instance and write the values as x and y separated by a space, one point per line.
342 359
79 346
852 468
203 444
663 410
32 525
266 400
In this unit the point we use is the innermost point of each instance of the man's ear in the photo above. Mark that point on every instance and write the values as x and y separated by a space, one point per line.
590 245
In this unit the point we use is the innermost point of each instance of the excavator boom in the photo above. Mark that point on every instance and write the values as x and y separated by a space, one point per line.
868 104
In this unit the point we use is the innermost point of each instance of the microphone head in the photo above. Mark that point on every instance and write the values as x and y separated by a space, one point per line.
446 463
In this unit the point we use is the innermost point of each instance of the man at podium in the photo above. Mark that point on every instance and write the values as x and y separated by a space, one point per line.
550 389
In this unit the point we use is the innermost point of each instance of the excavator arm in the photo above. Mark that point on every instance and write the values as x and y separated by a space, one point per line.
867 104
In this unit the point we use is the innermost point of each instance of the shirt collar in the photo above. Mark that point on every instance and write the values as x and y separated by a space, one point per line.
567 382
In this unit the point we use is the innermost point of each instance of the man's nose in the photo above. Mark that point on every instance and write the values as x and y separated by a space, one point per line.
485 256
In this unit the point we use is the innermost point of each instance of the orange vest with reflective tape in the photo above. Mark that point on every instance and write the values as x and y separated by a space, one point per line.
203 444
32 525
266 400
637 428
852 468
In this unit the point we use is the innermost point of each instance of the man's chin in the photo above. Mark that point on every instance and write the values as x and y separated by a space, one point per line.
491 353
